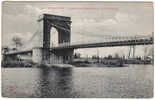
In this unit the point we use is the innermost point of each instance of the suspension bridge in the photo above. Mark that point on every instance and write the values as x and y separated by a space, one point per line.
39 43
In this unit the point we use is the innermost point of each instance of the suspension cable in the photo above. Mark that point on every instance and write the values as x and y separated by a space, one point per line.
32 37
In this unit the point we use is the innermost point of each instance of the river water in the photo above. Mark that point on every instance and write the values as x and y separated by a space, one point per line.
135 81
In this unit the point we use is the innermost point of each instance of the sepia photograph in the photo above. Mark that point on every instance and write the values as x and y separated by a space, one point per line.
73 49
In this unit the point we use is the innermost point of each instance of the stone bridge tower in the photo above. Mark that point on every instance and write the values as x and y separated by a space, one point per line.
41 54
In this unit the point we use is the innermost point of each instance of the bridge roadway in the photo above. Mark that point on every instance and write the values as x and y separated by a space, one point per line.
93 45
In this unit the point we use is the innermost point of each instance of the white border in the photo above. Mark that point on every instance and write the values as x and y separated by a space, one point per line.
2 98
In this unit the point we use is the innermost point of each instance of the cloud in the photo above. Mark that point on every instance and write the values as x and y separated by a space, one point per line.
32 10
126 17
109 22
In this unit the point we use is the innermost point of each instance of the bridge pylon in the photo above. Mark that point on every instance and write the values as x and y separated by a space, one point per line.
62 24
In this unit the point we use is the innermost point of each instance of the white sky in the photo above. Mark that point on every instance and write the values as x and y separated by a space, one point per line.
90 21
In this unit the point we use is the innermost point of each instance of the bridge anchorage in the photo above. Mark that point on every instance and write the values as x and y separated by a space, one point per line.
63 52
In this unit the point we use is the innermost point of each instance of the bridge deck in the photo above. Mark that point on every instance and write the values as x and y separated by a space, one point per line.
106 44
94 45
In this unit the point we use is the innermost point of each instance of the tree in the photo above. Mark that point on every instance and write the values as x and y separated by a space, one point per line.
5 49
116 55
17 41
109 56
77 55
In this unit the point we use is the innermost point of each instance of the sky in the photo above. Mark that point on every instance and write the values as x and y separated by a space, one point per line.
91 21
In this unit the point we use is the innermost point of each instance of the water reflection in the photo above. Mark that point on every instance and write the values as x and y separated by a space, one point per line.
55 82
91 82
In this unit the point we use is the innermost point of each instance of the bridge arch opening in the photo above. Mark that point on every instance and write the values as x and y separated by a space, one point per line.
53 37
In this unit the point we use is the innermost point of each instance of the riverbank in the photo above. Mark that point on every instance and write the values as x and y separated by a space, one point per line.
29 64
106 63
17 64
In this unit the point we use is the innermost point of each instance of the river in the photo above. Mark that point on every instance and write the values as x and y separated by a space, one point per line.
135 81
